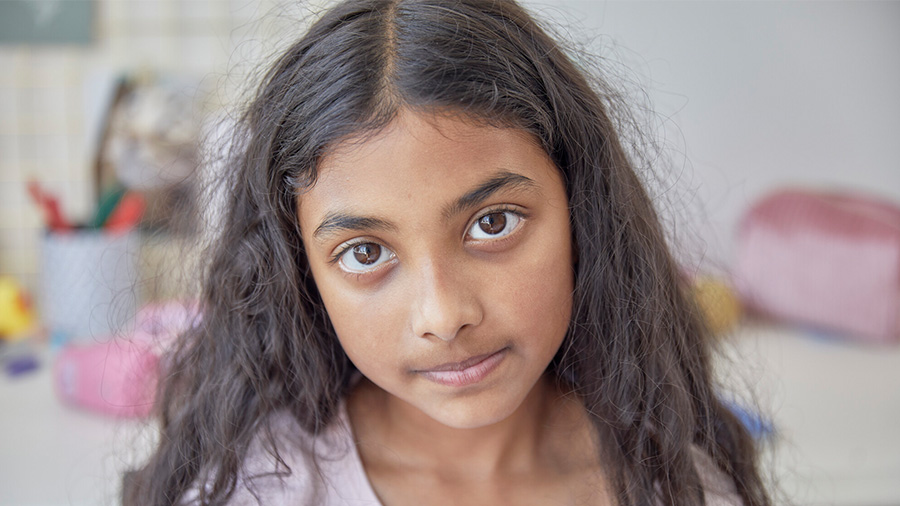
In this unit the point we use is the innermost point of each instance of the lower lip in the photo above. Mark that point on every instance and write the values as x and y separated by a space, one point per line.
468 376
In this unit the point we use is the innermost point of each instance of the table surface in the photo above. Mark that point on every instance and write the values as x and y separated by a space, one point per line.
835 406
54 455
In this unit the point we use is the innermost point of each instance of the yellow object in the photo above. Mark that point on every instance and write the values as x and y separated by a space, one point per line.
16 315
719 303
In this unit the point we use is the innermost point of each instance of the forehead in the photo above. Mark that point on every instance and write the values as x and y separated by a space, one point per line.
421 161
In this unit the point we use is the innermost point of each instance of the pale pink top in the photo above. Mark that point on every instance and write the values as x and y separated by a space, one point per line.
344 482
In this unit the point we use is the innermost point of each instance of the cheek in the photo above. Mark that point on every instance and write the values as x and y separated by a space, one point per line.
364 324
550 308
539 299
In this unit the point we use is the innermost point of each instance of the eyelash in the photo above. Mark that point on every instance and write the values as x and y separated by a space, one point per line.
336 257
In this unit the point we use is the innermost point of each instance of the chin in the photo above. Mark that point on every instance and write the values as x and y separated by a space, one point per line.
472 413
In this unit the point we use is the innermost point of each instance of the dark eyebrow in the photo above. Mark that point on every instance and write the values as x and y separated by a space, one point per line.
338 221
502 181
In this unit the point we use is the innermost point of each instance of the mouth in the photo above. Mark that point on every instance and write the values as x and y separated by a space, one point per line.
467 372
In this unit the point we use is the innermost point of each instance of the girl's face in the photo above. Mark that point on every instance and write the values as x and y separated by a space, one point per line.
442 252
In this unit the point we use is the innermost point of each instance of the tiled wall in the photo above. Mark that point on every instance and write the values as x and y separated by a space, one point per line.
51 97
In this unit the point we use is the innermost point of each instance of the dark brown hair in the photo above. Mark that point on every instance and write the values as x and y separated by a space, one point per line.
635 353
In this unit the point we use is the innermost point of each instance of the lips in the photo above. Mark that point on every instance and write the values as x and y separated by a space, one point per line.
467 372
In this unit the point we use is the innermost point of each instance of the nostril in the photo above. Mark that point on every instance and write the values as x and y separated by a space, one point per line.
447 337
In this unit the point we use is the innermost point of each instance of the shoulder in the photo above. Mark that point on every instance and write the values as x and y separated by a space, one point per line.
718 487
280 466
287 465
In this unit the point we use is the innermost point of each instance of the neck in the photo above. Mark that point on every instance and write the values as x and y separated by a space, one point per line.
394 433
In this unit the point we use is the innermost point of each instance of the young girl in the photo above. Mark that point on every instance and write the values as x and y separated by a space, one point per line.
439 281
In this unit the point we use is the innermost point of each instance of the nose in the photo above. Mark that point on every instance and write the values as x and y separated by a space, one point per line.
447 302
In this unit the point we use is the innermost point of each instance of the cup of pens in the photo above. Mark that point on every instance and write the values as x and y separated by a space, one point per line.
89 273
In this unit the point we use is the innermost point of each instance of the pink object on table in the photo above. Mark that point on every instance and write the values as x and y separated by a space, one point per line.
118 377
831 260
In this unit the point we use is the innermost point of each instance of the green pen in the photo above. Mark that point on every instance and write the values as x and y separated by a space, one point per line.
108 202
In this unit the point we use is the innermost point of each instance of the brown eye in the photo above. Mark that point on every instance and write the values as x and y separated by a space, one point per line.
367 253
492 224
364 257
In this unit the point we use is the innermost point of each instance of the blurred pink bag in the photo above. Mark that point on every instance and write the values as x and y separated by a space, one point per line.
829 260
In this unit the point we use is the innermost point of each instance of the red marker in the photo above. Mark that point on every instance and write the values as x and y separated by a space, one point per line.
50 205
127 213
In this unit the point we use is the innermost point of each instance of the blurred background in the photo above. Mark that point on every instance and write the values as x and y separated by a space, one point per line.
776 125
94 91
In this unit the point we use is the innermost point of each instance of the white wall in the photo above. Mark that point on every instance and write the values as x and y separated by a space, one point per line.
760 94
752 95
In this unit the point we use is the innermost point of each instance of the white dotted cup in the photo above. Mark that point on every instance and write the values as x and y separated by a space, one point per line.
88 282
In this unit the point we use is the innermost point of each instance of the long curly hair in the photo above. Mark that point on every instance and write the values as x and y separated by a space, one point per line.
636 352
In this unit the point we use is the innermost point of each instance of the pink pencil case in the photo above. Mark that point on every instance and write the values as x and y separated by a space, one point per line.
830 260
